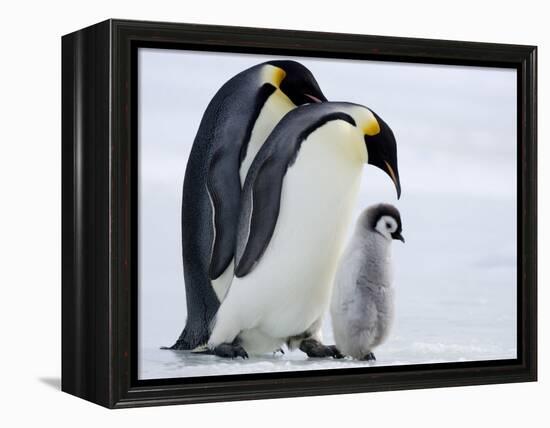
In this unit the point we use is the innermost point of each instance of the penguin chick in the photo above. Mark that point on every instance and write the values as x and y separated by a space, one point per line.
362 306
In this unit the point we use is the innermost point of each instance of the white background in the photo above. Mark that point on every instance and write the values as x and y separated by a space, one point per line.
30 213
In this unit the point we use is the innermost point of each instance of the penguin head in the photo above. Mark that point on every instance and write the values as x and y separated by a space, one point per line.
385 220
382 148
381 145
298 83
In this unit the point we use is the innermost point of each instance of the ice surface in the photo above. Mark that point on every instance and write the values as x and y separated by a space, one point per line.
455 277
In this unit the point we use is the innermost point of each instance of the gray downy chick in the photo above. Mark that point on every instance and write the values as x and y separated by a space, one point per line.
362 306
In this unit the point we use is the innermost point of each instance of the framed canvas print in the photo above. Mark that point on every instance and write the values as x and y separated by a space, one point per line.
253 213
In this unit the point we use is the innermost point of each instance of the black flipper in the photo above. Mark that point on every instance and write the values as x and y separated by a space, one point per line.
266 196
223 180
224 188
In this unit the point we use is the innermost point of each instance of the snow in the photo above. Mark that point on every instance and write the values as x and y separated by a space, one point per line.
455 277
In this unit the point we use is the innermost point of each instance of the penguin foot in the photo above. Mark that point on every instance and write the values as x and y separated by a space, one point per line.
315 349
369 357
281 350
230 350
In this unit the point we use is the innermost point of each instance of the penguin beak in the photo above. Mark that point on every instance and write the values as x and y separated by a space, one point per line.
398 236
315 99
394 176
382 153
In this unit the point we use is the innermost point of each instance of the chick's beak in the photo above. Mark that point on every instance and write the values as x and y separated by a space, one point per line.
398 236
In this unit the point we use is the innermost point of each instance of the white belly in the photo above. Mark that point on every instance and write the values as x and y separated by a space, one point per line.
290 287
221 283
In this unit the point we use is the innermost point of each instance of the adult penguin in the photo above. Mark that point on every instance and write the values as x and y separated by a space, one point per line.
233 128
297 203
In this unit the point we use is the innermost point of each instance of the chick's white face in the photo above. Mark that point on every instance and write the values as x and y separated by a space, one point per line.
386 226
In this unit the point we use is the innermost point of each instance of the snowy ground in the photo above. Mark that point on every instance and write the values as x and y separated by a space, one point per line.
455 277
453 303
407 346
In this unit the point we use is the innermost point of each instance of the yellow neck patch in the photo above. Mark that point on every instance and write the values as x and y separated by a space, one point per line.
277 77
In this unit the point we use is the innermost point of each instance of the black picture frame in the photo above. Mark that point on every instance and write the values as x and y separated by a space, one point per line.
99 251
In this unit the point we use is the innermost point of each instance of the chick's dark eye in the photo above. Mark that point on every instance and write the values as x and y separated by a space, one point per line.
388 225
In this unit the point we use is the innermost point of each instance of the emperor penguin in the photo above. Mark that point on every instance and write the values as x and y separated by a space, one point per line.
234 126
296 206
362 305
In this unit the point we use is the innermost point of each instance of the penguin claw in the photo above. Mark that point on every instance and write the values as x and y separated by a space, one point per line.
281 350
242 353
336 352
369 357
228 350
